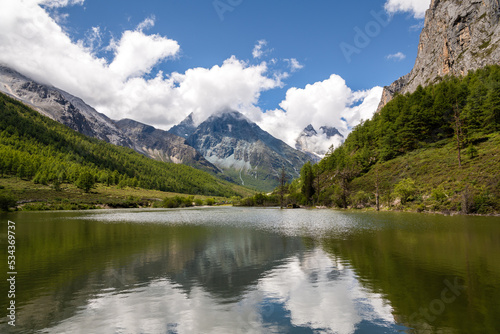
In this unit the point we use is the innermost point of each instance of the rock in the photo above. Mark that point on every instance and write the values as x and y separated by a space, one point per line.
244 152
458 36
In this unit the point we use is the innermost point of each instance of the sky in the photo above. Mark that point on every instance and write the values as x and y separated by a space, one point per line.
283 64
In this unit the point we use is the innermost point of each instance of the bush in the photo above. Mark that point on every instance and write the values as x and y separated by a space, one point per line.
438 195
405 190
7 202
362 199
177 202
85 181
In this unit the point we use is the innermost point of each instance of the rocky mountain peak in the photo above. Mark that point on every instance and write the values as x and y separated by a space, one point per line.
185 128
244 152
314 143
458 36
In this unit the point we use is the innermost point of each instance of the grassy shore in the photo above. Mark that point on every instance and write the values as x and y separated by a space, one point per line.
31 196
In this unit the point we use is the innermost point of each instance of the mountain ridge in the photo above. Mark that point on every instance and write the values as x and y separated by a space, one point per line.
245 152
79 116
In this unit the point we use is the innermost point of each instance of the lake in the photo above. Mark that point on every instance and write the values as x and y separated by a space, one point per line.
249 270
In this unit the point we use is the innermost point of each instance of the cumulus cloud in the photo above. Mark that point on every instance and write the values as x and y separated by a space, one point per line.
416 7
399 56
147 23
136 53
327 103
34 44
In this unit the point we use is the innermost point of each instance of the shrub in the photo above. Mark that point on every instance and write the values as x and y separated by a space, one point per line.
85 181
362 198
405 190
7 202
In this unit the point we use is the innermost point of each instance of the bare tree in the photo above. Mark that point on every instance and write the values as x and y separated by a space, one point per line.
283 179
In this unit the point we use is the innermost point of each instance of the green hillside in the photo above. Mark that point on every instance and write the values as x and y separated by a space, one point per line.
437 149
37 149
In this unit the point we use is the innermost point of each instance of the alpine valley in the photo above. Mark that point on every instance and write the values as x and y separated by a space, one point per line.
226 144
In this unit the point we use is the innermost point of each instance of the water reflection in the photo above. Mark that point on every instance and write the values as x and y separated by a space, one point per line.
313 290
230 270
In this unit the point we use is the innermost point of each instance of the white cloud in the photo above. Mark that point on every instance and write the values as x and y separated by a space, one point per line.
60 3
397 56
35 45
258 50
32 43
294 64
327 103
147 23
136 53
416 7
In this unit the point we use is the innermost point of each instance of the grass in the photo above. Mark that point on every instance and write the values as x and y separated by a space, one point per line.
440 183
31 196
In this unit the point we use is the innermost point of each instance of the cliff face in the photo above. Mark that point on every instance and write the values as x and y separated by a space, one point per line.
458 36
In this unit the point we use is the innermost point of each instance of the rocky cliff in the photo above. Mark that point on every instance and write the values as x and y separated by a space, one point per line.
458 36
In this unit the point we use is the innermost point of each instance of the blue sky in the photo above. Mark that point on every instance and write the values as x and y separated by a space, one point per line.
186 56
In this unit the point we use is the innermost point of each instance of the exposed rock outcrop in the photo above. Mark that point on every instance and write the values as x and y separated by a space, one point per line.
458 36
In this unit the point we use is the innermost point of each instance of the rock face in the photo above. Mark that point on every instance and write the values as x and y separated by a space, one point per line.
316 144
246 153
61 107
458 36
162 145
185 128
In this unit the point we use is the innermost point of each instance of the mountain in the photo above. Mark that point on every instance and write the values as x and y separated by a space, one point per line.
185 128
316 144
36 148
244 151
458 36
61 107
77 115
162 145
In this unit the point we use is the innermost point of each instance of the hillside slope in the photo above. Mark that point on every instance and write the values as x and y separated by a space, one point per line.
34 147
163 146
435 149
79 116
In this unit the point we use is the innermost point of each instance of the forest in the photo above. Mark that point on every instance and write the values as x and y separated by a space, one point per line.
435 149
34 147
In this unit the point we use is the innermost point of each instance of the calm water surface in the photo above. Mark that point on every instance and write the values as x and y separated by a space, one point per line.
235 270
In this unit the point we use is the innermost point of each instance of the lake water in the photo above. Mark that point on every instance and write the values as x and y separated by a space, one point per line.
238 270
